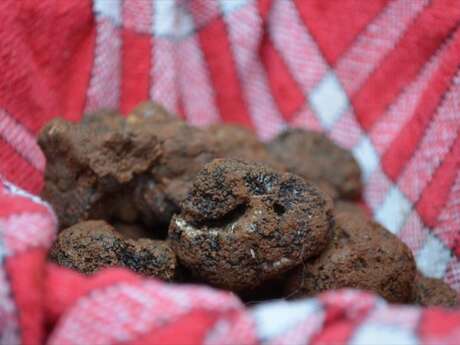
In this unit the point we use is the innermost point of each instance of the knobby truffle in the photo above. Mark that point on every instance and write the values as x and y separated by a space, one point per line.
92 245
243 223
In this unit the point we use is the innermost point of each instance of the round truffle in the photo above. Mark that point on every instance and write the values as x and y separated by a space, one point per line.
361 255
316 158
87 247
244 223
90 246
433 292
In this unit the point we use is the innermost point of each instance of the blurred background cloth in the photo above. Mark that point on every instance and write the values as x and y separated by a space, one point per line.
379 77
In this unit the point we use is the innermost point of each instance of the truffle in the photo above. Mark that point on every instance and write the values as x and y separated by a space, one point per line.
433 292
244 223
316 158
361 255
92 245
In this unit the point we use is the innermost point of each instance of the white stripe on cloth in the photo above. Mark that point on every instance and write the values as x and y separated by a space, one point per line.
245 32
21 140
104 86
295 44
164 73
194 84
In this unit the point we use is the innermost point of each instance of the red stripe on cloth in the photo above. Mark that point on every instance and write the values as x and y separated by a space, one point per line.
404 145
387 128
78 77
218 55
264 7
436 193
26 273
245 31
375 41
12 202
437 140
17 170
286 92
38 46
296 46
180 107
135 77
64 286
348 17
24 88
439 326
191 328
342 317
420 42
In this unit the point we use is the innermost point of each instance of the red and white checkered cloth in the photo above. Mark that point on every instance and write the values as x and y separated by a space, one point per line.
380 77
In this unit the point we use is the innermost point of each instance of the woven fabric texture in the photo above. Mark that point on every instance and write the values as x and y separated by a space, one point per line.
379 77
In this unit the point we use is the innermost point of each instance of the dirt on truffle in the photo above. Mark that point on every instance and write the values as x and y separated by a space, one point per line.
244 223
429 292
185 151
133 170
349 207
361 255
316 158
237 142
91 167
89 246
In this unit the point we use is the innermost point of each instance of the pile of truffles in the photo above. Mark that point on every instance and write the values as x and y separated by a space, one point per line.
167 200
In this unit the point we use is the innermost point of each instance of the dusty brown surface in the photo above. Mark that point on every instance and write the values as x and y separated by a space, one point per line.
350 207
185 150
316 158
150 258
243 224
132 170
87 247
92 245
430 292
237 142
362 255
91 167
